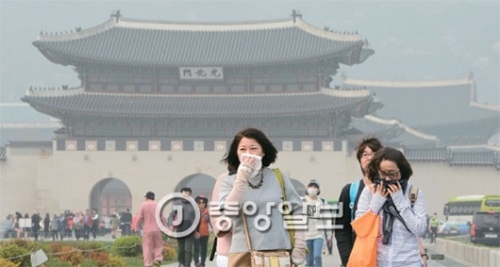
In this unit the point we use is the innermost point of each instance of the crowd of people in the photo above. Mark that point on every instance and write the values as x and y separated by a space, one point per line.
384 191
69 225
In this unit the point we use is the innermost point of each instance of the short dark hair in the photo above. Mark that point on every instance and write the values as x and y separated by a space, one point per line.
186 189
391 154
231 157
372 142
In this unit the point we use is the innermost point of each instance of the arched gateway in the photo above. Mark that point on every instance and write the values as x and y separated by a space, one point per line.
110 195
200 184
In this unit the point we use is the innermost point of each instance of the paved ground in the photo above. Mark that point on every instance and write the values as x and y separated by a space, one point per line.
334 259
328 261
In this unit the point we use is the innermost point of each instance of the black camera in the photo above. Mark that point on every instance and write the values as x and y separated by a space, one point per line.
385 183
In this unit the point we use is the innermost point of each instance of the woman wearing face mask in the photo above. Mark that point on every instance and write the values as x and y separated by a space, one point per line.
316 224
400 223
252 184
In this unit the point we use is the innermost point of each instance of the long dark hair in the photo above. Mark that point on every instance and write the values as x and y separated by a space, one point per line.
231 157
394 155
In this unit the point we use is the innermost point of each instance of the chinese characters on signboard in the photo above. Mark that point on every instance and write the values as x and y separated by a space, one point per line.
201 73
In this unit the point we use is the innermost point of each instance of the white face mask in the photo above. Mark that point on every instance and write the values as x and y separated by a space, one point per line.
312 191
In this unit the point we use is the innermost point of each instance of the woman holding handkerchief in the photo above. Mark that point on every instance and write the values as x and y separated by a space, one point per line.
251 197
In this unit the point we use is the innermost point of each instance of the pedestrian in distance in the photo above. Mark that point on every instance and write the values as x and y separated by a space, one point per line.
202 232
181 225
152 242
433 227
318 221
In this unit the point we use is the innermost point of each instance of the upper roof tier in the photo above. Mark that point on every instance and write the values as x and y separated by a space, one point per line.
126 41
59 103
428 103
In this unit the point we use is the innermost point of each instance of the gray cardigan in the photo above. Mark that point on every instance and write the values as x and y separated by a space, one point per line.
273 237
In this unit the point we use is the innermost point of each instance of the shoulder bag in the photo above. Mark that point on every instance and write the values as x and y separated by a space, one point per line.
255 258
364 251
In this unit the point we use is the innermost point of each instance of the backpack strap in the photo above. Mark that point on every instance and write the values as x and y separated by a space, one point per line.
353 191
413 195
277 173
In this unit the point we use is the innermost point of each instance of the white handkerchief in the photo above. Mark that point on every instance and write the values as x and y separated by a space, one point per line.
257 163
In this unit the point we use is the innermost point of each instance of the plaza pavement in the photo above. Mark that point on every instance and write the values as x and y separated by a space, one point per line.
334 259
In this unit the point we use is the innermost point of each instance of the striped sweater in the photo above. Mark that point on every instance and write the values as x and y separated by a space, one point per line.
403 247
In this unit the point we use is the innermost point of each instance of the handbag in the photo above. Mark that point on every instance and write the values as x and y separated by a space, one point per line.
254 258
364 251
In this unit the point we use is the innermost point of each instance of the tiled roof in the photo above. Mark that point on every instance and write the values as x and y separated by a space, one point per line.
465 133
154 43
30 144
429 154
26 134
457 155
392 131
184 106
478 158
422 104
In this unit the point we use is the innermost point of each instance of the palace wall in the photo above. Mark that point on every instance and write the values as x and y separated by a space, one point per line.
31 180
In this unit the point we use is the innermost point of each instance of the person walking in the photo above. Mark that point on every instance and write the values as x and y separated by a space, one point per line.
349 196
152 243
87 225
182 224
433 227
401 222
46 225
114 225
201 235
250 180
54 227
126 222
35 224
95 223
317 222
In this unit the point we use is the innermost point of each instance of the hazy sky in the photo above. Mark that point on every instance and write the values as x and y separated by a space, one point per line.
413 40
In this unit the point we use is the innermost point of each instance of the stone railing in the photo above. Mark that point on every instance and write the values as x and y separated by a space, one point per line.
480 256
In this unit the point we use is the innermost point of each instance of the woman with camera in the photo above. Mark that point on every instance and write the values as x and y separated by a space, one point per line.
401 221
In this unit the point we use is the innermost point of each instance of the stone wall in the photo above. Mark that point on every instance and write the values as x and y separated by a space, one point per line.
64 179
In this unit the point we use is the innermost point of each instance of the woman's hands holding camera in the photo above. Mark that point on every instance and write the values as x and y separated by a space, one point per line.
394 187
384 188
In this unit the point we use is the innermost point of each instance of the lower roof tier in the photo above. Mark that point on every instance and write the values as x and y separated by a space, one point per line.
60 103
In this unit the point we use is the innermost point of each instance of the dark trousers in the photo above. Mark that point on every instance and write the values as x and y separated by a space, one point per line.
55 234
86 232
200 249
125 229
433 234
95 230
35 234
78 233
185 250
